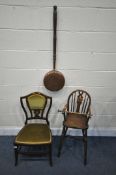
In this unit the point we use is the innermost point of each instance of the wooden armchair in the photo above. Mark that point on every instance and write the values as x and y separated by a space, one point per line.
76 116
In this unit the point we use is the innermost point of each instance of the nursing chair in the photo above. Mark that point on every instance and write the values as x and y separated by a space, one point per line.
76 116
35 137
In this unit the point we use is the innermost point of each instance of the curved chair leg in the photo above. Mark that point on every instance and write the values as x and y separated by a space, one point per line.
85 145
16 154
64 131
50 155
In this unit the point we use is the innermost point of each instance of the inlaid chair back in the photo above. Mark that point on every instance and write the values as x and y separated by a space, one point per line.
36 134
79 101
36 106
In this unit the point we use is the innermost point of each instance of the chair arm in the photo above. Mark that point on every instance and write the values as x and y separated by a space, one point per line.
63 111
89 113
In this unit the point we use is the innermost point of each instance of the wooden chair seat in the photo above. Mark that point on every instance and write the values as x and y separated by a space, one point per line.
74 120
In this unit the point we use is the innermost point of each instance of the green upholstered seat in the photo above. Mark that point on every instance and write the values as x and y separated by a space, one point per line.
34 134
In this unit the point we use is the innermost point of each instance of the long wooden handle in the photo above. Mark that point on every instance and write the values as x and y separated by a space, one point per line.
54 35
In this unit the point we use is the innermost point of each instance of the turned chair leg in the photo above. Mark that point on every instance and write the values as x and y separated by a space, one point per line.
85 145
50 155
16 154
64 131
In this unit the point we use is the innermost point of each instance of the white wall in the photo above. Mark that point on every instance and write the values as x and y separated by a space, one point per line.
86 55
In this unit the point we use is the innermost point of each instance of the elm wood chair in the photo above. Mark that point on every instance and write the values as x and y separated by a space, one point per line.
36 132
76 116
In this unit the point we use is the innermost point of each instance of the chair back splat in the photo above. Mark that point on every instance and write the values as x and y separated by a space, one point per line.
79 101
36 106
